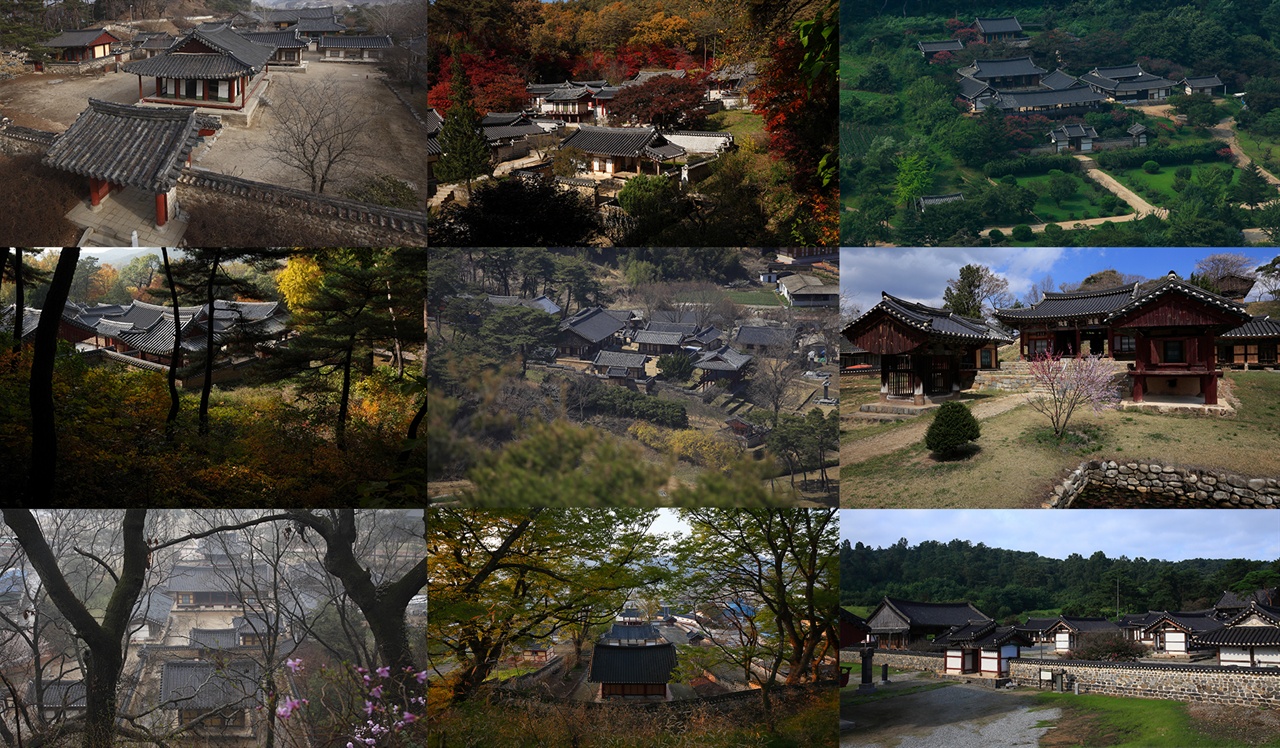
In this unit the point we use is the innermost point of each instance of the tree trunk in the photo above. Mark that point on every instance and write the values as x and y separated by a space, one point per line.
174 358
44 437
208 350
345 402
426 314
403 457
19 302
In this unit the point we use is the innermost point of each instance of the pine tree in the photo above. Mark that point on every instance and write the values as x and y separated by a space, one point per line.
1253 188
466 154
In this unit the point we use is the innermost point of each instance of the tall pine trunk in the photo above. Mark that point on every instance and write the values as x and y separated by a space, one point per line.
19 302
44 437
174 358
345 403
208 351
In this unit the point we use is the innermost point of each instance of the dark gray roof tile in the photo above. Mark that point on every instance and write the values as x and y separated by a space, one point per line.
143 147
354 42
208 685
644 664
81 38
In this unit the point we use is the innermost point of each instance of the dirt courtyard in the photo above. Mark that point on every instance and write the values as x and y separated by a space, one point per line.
393 143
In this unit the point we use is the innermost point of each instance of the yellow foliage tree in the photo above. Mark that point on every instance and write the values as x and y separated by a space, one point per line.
703 449
664 30
299 281
649 435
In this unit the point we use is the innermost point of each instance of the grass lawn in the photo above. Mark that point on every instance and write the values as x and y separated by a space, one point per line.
856 391
1094 720
1012 469
1265 150
759 297
1083 204
743 123
1162 181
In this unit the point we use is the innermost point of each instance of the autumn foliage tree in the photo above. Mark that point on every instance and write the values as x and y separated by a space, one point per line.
496 85
666 102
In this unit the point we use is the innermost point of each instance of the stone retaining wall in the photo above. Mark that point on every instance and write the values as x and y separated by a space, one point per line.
1190 487
905 659
23 141
1197 683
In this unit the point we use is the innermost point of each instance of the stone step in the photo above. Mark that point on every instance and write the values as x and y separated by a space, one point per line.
883 417
889 408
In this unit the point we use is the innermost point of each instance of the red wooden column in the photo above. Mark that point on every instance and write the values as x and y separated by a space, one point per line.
1209 385
1077 342
1143 349
162 208
98 189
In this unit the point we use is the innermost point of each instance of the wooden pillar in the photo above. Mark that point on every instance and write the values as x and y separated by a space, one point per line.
1077 342
162 208
884 380
1142 346
1209 383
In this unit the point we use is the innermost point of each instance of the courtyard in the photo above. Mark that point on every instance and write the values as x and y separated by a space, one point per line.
392 143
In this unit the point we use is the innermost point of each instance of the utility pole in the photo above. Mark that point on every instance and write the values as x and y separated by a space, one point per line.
1117 597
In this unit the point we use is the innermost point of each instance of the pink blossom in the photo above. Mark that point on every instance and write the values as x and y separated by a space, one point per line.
287 708
384 672
293 665
376 692
421 677
410 717
368 707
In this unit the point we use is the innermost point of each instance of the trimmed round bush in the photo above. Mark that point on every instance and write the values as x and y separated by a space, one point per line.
998 236
1151 167
1022 233
952 429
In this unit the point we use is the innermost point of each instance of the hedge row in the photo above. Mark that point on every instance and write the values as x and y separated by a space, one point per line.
1023 165
1132 158
625 403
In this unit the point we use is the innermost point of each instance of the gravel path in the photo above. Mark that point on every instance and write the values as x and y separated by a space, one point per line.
959 716
1141 207
862 450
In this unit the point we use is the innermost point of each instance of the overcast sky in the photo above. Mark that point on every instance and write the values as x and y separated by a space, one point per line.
1169 534
921 274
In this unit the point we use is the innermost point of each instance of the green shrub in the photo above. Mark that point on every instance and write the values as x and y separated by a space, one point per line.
1183 172
1022 233
675 366
1151 167
1023 165
952 429
622 402
997 236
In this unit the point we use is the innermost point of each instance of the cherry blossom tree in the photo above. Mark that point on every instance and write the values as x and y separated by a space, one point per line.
1065 384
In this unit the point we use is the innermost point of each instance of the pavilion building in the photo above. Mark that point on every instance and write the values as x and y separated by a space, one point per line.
1072 324
212 69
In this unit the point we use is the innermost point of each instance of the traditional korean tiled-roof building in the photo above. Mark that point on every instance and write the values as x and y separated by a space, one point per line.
1069 631
215 69
933 47
118 146
30 320
1037 629
1072 323
620 367
231 691
657 343
898 624
644 76
1174 633
1209 85
1128 83
1003 28
802 290
925 353
722 363
316 28
1073 138
1006 74
1229 605
617 150
631 667
587 332
1251 345
1249 639
57 698
981 647
731 84
81 46
153 44
354 48
1051 103
287 43
765 337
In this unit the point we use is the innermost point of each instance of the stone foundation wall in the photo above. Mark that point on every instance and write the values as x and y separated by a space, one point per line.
1197 683
1190 487
23 141
903 659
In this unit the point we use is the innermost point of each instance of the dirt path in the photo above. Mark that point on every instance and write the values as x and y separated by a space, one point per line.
1140 206
1225 131
959 716
862 450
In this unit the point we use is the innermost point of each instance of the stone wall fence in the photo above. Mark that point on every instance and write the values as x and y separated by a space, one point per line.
902 659
1190 487
1243 686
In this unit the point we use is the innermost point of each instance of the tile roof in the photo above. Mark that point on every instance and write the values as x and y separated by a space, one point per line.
234 56
1136 128
934 614
644 76
1059 81
1120 72
1038 624
653 337
1173 284
722 359
1064 97
925 201
314 25
938 322
1259 327
434 122
622 359
354 42
1085 625
1066 132
153 607
1002 25
1201 81
1056 305
971 88
632 631
618 141
982 633
1002 68
687 328
143 147
567 92
30 320
941 45
208 685
199 579
1232 601
1241 636
157 41
645 664
286 39
1125 79
81 38
214 638
1193 622
58 693
593 324
766 336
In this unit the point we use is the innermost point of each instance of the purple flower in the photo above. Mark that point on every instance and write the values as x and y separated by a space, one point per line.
286 709
293 665
376 692
421 677
410 717
384 672
368 707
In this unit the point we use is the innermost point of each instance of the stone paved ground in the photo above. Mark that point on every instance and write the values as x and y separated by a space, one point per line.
957 716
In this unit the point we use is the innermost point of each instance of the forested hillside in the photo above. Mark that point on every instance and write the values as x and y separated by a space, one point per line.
1004 583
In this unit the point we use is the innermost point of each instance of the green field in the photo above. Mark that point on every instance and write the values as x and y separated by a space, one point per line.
1094 720
743 123
1083 204
1265 150
1157 188
758 297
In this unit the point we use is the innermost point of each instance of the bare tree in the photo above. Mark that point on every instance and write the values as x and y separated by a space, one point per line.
319 129
1221 264
771 378
1038 290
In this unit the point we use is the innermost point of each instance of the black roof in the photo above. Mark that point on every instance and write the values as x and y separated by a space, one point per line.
643 664
593 324
1085 625
199 579
58 693
656 337
1125 78
235 56
1002 68
30 319
313 25
1120 72
286 39
935 614
1002 25
632 631
941 45
81 38
1241 636
1038 624
723 358
1063 97
622 359
981 633
214 638
622 141
1065 132
685 328
971 88
937 322
153 607
782 337
1193 622
1202 81
1262 326
355 42
143 147
1057 305
1059 81
208 685
1232 601
1173 284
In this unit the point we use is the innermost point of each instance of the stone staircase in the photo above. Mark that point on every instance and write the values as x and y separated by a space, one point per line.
890 413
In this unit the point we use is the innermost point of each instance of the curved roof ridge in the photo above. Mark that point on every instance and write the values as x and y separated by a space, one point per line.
1126 287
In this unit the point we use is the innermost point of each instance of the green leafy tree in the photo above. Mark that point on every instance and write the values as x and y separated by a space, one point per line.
963 295
1061 186
915 177
466 154
952 429
876 78
1252 188
516 212
520 330
675 366
655 203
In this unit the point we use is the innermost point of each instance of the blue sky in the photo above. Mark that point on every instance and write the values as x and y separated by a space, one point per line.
1169 534
921 274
